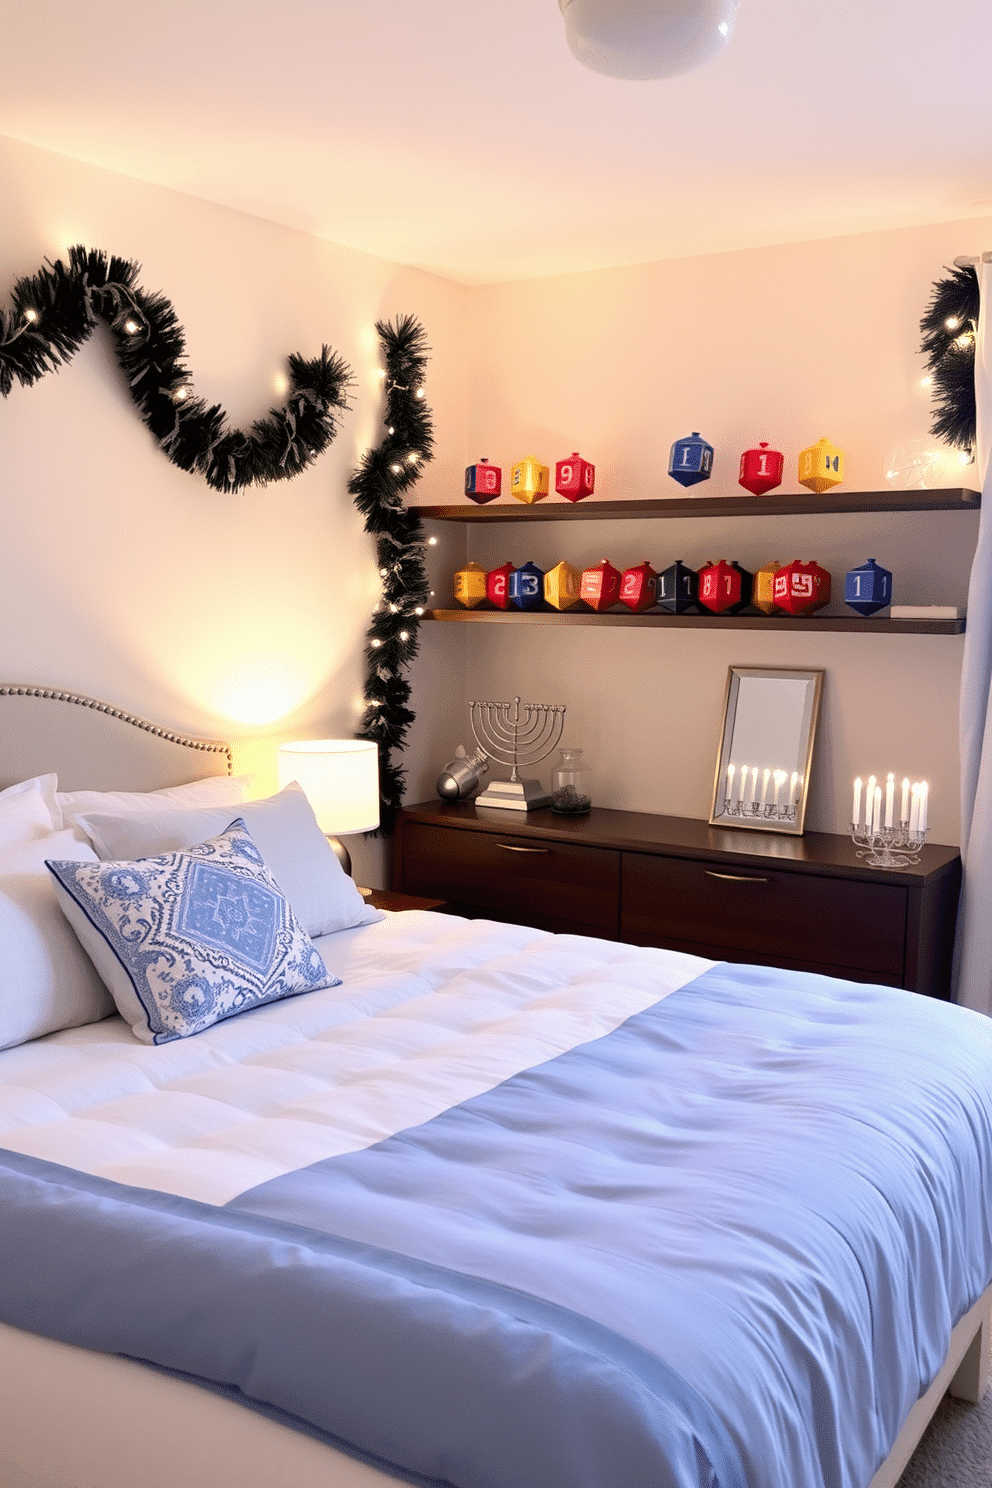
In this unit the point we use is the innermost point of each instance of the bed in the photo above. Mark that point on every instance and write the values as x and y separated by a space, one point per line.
495 1207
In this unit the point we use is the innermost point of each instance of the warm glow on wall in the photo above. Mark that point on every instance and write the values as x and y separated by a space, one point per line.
261 691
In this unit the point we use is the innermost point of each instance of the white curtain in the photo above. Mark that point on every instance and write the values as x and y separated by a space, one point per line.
974 938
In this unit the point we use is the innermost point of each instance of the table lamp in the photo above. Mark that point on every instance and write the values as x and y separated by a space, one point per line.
340 778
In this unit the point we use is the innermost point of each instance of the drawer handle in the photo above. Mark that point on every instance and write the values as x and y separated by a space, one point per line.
509 847
736 877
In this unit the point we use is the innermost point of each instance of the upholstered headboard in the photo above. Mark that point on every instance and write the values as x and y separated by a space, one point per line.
95 746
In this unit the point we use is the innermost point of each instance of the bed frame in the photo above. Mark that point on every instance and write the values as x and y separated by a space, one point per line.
99 1421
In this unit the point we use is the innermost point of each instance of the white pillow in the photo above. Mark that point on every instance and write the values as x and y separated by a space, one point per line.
190 939
28 810
215 790
285 831
47 981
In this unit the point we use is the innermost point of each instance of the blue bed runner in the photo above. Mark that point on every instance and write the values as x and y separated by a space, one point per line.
719 1247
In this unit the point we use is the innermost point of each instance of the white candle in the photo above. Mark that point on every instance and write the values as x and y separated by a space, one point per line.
876 812
890 790
764 787
914 811
780 779
904 812
924 801
754 784
730 785
855 809
869 804
792 788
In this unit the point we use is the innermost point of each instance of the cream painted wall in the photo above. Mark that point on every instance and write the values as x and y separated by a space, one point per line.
782 344
244 615
241 616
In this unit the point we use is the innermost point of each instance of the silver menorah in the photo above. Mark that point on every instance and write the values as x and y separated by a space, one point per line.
519 737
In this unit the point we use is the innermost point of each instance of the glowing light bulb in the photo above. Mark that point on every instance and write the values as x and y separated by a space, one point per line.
394 609
404 635
383 572
132 327
952 322
432 542
390 430
964 340
396 469
181 394
31 316
412 457
380 371
420 392
418 610
376 643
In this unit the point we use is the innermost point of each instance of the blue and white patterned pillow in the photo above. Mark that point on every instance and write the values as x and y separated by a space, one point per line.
190 938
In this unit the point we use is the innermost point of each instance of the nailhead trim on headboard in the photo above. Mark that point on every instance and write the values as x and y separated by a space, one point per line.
210 746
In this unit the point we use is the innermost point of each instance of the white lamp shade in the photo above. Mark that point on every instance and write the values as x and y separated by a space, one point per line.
647 38
340 778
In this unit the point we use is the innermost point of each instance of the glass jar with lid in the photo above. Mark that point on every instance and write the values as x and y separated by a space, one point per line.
570 789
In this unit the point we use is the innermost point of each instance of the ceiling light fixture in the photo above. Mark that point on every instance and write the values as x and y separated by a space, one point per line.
643 39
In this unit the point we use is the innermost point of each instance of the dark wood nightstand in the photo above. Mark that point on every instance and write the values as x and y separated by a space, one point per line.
386 899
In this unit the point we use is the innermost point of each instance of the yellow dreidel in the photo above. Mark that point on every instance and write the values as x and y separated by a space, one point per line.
561 586
821 466
470 585
763 594
529 480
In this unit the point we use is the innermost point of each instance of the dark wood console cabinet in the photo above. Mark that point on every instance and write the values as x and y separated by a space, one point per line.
803 902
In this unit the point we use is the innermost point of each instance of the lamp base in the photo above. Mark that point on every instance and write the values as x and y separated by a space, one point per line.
340 852
514 795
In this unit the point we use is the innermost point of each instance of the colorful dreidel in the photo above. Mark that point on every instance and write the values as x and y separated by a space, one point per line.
575 478
470 585
529 480
561 586
639 587
497 586
600 586
801 588
821 466
483 482
725 588
525 586
678 588
691 460
761 469
763 589
868 588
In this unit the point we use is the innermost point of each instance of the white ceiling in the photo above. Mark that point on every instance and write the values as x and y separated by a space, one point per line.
461 136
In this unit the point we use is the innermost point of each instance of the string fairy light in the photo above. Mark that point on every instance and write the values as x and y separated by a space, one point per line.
386 472
90 286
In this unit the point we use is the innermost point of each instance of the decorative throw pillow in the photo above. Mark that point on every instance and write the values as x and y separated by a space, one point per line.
28 810
214 790
188 939
48 981
283 828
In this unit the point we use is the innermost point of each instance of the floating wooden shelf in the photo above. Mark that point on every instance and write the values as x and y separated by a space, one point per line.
812 624
796 503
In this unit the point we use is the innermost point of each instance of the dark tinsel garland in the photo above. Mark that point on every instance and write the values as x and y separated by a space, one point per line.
56 310
379 484
949 328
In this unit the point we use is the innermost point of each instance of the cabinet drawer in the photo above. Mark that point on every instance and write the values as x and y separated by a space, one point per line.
522 879
765 914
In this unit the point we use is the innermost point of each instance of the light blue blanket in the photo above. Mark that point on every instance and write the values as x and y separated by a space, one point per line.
723 1246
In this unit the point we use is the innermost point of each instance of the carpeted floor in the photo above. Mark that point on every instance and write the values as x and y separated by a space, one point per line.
956 1451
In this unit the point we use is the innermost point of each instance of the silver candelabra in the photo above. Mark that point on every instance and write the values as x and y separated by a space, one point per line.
888 847
519 737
